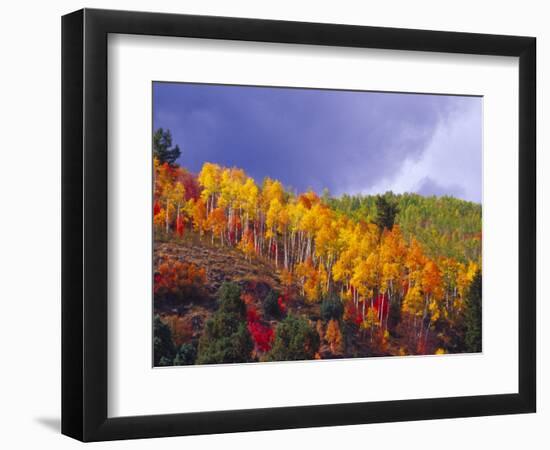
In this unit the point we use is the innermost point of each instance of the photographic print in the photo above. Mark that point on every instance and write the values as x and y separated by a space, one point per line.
294 224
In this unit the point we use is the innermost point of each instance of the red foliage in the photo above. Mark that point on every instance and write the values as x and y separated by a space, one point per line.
180 226
305 201
382 301
156 208
262 335
176 174
353 314
252 314
190 183
172 171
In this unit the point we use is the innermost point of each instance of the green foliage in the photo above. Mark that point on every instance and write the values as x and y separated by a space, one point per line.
270 305
350 334
165 361
386 210
332 308
163 347
186 355
226 338
472 320
295 339
444 226
162 147
394 316
229 299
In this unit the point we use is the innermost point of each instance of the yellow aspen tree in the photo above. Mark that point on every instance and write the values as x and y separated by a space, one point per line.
432 290
209 179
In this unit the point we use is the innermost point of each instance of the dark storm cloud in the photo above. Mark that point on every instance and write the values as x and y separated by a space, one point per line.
341 140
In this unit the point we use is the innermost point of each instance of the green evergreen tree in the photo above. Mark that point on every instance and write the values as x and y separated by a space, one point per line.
229 299
186 355
472 319
270 305
163 347
295 340
332 308
162 147
385 213
226 338
164 361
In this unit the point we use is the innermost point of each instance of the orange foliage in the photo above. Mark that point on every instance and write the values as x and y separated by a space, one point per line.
174 277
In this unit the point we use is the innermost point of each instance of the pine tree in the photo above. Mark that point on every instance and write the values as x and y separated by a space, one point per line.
270 305
472 336
295 340
162 147
332 308
226 338
163 347
186 355
385 213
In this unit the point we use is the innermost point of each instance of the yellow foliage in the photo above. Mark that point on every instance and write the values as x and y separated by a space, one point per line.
312 279
159 219
286 278
322 248
413 301
209 179
333 335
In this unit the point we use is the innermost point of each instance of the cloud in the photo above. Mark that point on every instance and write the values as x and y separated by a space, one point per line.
348 142
429 187
451 162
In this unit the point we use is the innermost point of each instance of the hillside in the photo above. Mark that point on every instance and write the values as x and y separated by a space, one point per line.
445 226
256 278
247 272
222 264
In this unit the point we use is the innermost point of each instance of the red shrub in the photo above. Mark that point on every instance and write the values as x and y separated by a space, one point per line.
352 314
262 335
252 314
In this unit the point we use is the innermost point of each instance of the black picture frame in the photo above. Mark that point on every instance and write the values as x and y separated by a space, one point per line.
84 224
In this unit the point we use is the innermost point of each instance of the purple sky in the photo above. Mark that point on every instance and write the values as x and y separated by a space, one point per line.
348 142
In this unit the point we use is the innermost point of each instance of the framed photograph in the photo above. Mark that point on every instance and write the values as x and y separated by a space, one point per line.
273 224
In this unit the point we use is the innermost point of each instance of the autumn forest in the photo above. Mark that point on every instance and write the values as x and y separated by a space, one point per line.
249 270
